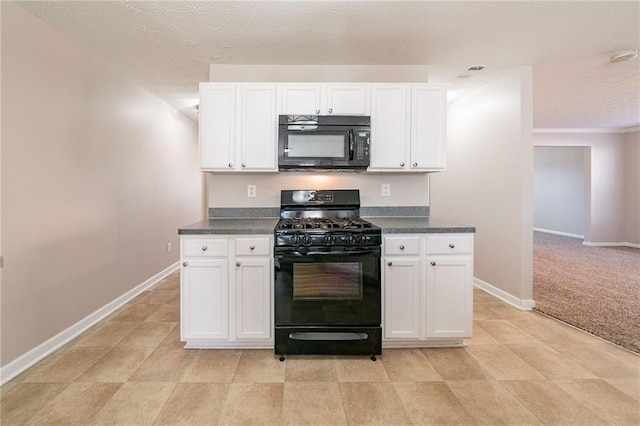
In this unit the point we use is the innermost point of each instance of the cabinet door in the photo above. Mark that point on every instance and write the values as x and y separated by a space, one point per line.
347 99
204 299
389 127
428 127
217 123
253 299
300 99
258 126
401 298
449 296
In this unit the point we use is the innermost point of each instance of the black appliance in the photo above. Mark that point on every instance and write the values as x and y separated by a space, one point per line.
327 276
323 142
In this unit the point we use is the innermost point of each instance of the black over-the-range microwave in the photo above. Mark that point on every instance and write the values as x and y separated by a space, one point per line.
323 142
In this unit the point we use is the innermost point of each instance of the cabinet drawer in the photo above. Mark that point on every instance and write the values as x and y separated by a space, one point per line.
450 244
253 246
205 247
401 245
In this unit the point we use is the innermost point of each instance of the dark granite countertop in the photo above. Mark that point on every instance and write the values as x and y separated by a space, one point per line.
418 225
231 226
389 225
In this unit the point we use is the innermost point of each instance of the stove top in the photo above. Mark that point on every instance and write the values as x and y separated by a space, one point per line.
324 223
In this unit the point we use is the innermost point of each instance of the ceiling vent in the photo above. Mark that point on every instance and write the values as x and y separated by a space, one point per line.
475 68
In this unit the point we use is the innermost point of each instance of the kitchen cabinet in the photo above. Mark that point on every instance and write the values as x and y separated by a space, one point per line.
408 127
401 266
225 306
238 127
428 289
324 99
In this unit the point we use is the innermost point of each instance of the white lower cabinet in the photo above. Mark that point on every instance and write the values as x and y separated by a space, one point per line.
428 289
226 291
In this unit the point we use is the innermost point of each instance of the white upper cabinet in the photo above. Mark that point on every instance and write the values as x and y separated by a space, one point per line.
408 127
324 99
238 127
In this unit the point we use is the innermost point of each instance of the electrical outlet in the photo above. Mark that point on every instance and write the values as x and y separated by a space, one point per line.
385 190
251 191
168 247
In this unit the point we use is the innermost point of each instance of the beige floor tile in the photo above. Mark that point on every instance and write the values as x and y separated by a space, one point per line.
408 365
148 334
135 404
141 299
66 365
194 404
630 387
373 404
598 361
253 404
360 369
117 365
212 366
161 296
25 400
166 313
481 311
165 364
629 358
551 404
106 334
551 363
504 311
173 338
456 364
432 403
259 366
78 404
480 296
551 331
489 403
312 404
604 399
503 364
133 313
506 332
309 368
481 337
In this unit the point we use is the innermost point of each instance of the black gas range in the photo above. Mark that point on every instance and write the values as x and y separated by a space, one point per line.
327 275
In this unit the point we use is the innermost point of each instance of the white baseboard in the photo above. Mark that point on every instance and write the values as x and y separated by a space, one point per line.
565 234
522 304
634 245
29 358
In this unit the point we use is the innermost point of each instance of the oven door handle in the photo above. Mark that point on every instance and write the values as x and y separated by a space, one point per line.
330 253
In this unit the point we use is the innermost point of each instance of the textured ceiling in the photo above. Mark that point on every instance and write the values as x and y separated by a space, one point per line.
167 47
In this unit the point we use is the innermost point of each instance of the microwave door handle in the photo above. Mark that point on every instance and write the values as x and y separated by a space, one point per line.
350 144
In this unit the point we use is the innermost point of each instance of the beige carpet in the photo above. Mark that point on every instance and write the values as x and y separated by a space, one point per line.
596 289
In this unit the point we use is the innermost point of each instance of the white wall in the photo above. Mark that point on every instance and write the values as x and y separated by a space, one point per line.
559 182
230 190
488 183
632 188
611 186
97 176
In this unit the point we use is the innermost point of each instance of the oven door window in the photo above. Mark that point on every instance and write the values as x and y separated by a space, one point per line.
330 281
318 145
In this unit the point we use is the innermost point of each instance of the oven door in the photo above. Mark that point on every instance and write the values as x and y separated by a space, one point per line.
327 286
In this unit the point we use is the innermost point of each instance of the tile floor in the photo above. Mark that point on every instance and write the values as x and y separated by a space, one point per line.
519 368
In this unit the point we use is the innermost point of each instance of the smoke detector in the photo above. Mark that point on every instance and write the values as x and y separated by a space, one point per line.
622 56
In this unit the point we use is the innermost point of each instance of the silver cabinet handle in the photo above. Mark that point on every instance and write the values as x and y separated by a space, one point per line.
433 263
230 164
204 248
401 164
238 263
317 111
452 246
252 247
185 264
415 164
389 263
330 110
244 164
401 247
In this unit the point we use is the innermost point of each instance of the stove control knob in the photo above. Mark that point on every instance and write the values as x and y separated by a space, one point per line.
306 240
328 239
351 240
362 240
294 239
